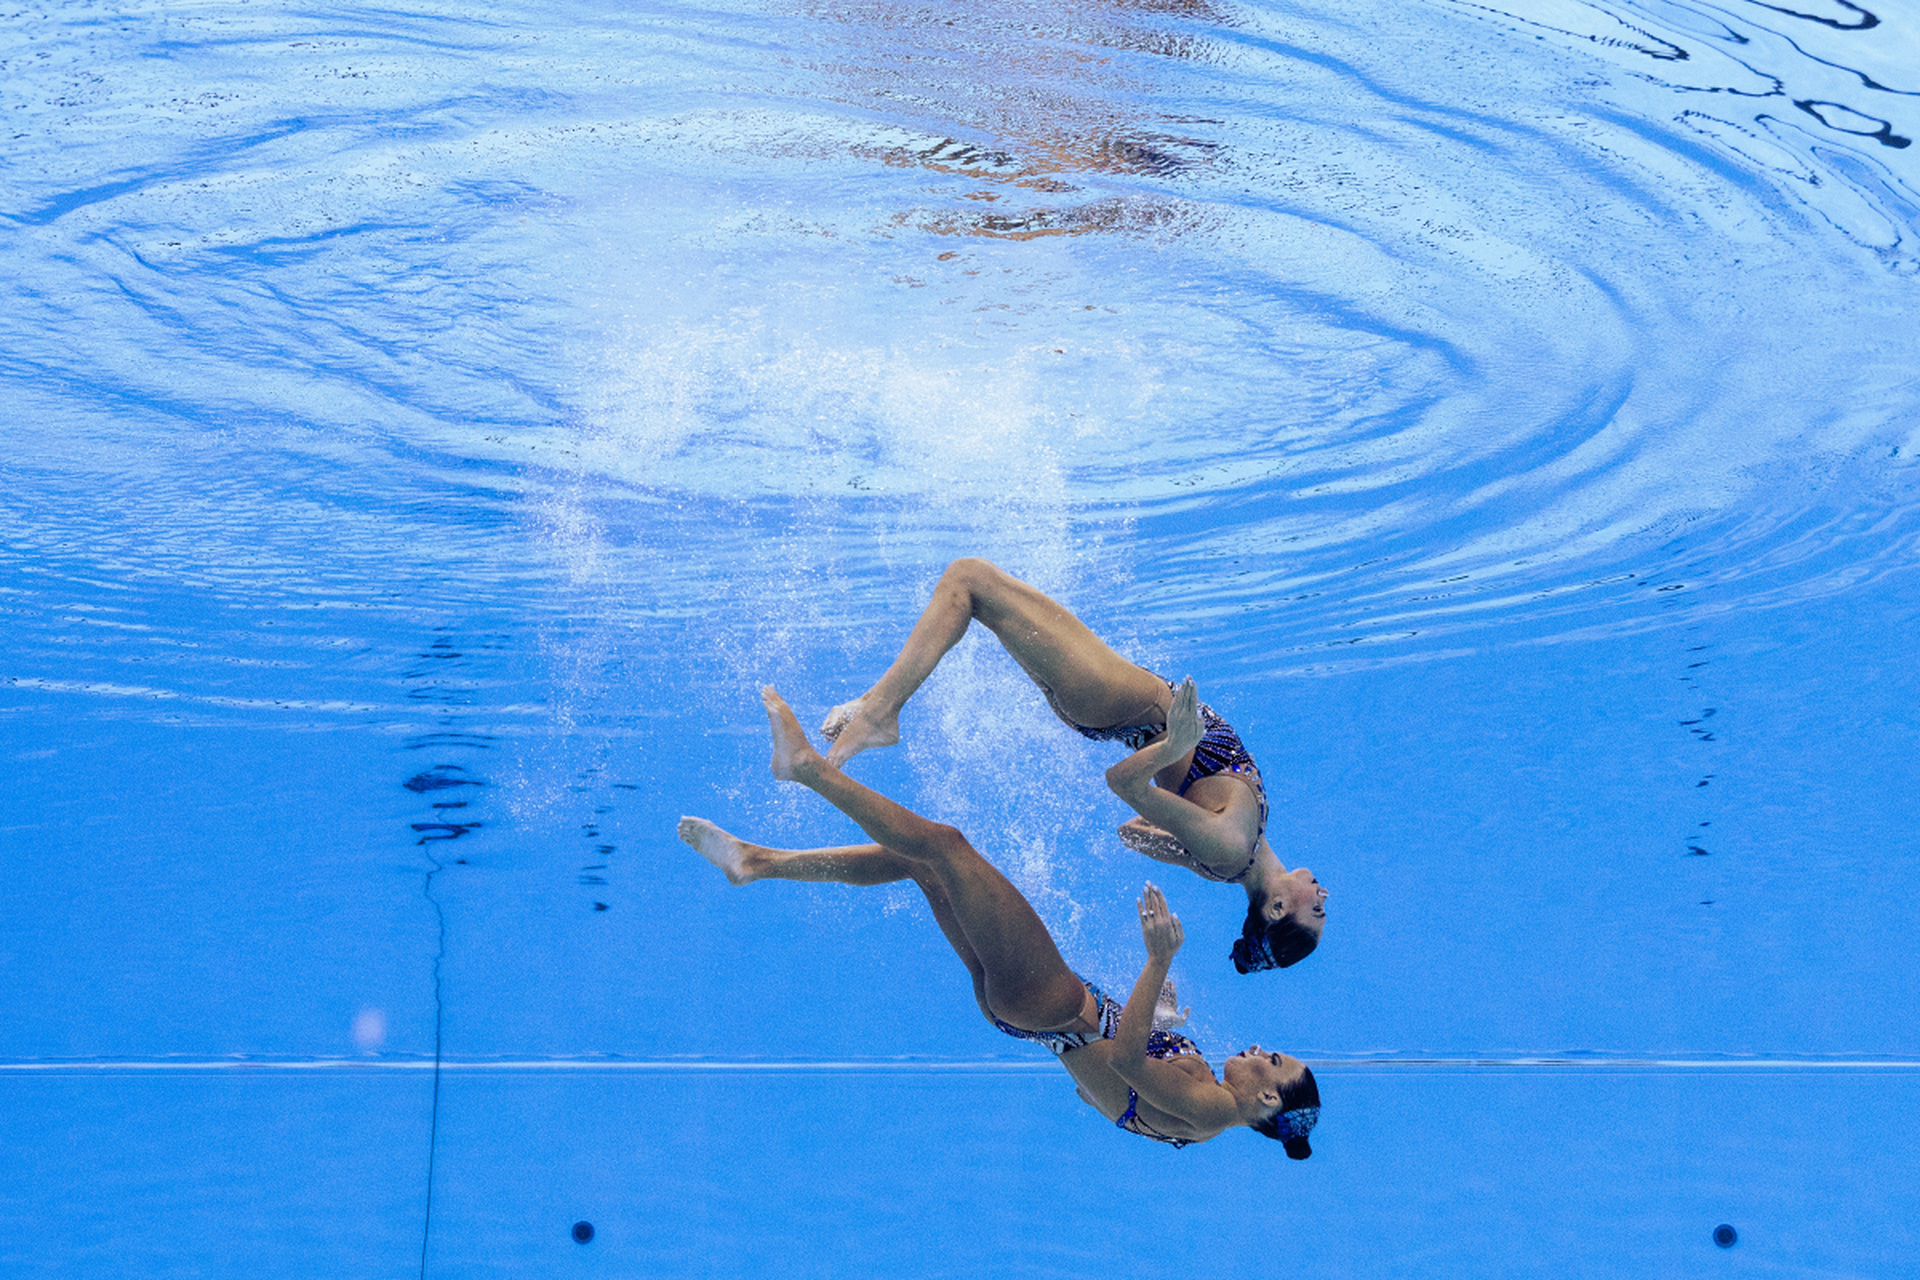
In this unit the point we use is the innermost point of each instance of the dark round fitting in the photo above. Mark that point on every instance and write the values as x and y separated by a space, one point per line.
583 1232
1724 1236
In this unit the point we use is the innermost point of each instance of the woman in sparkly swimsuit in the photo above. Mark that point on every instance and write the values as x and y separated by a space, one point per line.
1199 796
1147 1081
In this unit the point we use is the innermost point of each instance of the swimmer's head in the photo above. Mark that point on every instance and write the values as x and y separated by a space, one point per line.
1284 922
1281 1092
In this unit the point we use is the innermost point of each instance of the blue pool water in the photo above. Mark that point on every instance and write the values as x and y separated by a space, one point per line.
426 427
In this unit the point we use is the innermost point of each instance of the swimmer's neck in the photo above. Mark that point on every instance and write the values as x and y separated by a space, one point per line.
1265 873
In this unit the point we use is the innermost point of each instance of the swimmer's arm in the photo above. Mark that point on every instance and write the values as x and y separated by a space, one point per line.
1160 930
1219 842
1145 838
1202 1103
1211 839
1132 778
1192 1095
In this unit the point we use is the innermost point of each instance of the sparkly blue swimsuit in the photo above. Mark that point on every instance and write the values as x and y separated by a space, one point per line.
1160 1044
1220 751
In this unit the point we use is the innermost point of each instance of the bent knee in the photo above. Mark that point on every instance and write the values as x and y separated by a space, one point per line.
948 842
971 573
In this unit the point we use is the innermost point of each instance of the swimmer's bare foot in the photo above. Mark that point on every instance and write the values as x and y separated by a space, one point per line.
794 758
724 851
852 728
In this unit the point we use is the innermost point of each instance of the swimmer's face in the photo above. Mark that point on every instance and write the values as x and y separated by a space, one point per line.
1261 1074
1298 895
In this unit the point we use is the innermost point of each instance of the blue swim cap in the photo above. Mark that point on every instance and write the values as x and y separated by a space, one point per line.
1252 957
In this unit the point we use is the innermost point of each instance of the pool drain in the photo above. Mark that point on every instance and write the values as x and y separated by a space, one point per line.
583 1231
1724 1236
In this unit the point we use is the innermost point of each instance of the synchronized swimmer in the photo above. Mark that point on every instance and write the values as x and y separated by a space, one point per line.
1148 1081
1200 798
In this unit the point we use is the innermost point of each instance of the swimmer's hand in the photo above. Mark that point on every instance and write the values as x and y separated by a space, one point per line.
1184 727
1159 927
1155 842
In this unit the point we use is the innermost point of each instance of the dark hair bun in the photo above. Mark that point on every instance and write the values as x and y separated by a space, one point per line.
1297 1148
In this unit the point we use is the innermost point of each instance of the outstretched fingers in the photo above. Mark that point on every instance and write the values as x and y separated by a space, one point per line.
1159 927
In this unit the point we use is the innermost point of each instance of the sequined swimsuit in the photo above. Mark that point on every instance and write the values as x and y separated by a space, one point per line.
1220 752
1160 1044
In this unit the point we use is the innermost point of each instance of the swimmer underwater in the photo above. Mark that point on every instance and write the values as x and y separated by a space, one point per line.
1153 1083
1200 798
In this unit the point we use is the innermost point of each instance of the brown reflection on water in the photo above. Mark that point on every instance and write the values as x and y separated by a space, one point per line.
1021 104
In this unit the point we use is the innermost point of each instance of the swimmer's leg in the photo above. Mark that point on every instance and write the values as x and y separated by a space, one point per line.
1090 683
744 862
858 864
1019 975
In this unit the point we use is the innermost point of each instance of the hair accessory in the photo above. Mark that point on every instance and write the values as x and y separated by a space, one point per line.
1255 955
1297 1123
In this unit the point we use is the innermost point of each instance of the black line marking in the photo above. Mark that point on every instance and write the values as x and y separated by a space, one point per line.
439 1007
1884 134
1867 20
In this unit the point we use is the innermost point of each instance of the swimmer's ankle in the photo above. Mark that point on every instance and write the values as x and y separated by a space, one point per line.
863 731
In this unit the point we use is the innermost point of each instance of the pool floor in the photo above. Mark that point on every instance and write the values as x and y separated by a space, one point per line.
1419 1170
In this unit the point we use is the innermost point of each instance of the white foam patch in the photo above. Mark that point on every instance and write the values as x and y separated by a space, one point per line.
989 758
745 411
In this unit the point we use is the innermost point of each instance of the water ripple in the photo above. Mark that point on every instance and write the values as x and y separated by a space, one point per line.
1354 338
